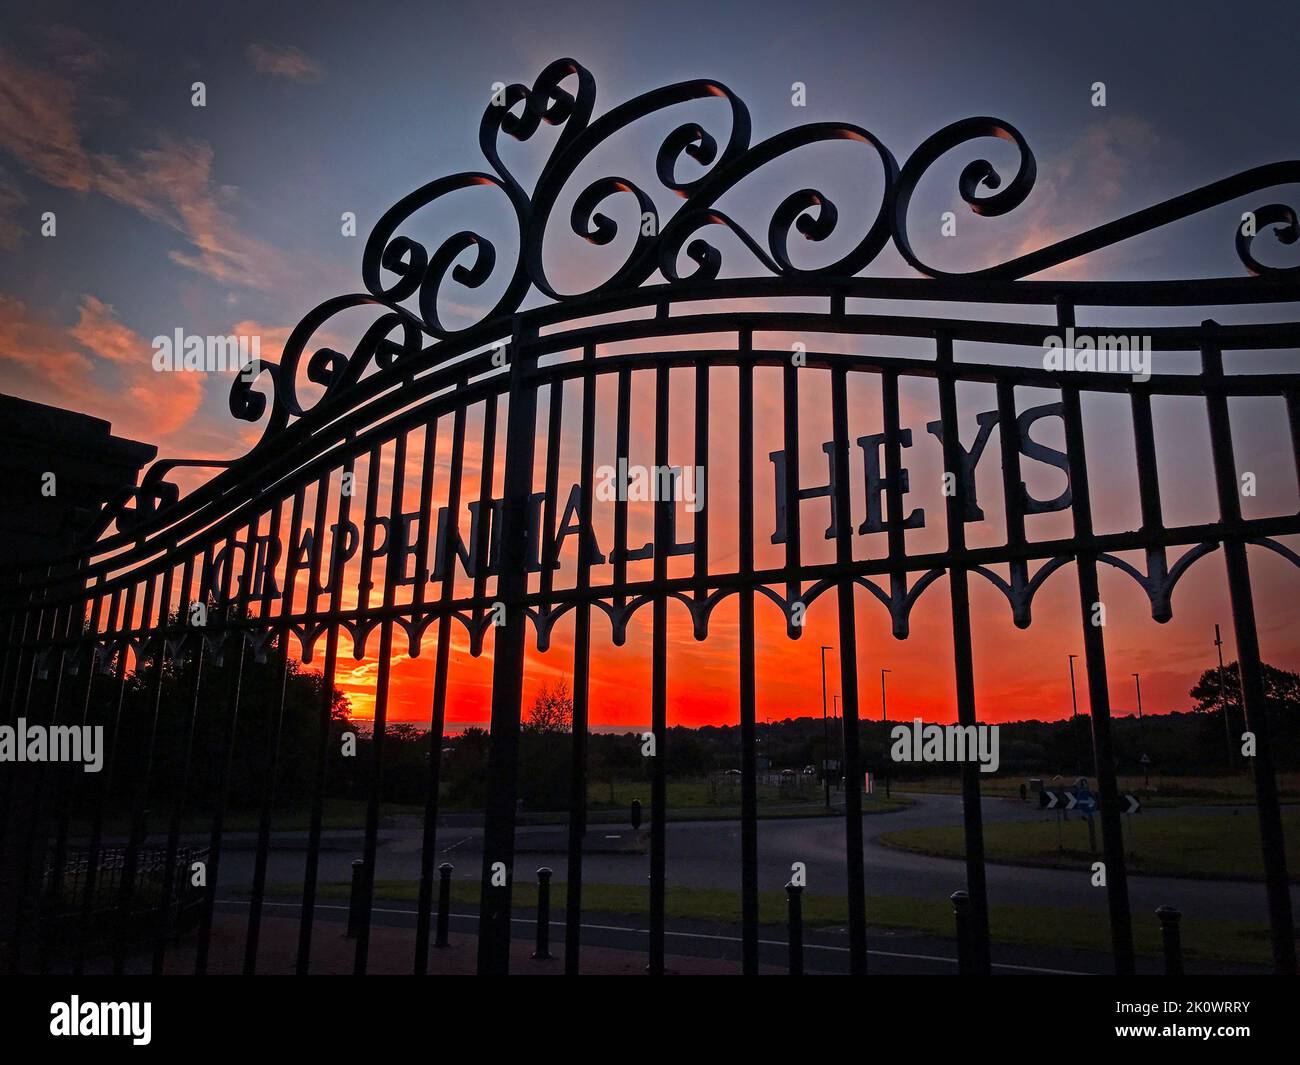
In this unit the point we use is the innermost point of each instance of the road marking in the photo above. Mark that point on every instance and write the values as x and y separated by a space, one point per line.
697 935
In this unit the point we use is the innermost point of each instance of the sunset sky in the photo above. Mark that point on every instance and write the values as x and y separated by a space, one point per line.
225 220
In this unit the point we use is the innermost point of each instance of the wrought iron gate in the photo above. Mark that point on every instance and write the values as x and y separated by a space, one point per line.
271 548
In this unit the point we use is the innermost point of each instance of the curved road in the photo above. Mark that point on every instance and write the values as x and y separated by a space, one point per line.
706 854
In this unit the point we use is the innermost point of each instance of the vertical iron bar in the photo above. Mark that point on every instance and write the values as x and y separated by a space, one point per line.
748 713
849 680
581 678
329 666
143 774
445 566
392 559
481 531
423 573
106 785
790 435
35 850
69 789
234 629
508 662
1277 885
659 682
198 648
621 445
963 660
275 723
1094 651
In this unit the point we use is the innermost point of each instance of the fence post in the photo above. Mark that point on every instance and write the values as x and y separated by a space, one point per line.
444 902
961 910
793 894
543 951
354 899
1172 939
544 914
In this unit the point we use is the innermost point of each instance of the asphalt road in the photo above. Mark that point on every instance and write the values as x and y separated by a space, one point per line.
707 854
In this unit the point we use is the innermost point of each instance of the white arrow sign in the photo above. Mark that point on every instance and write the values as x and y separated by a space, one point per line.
1133 805
1071 801
1052 800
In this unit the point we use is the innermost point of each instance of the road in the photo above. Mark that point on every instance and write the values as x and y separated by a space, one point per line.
707 854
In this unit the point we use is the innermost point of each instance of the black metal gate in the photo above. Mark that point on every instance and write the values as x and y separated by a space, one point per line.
282 543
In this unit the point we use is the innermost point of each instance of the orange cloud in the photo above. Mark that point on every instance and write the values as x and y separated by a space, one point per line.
171 184
99 366
37 125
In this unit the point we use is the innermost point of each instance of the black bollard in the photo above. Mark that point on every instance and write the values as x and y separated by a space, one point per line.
794 893
444 902
961 910
1172 939
543 951
354 902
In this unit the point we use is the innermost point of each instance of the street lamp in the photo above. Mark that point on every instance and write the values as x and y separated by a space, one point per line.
1223 699
1074 698
1137 678
1074 716
826 736
884 716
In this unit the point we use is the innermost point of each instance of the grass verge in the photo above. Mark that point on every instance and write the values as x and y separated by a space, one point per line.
1030 926
1205 847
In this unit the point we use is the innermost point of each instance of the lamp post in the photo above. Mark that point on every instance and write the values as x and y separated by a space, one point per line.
1074 714
884 716
1223 699
1074 698
839 725
826 736
1137 677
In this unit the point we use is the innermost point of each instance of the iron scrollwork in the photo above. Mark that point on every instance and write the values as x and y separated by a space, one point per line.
404 281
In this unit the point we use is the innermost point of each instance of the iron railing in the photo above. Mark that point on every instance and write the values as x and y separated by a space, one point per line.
278 550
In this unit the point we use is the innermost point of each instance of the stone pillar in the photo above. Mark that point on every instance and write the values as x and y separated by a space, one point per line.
44 520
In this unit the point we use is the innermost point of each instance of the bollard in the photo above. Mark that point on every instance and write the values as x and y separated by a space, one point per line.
444 902
1172 939
543 951
961 910
793 893
354 902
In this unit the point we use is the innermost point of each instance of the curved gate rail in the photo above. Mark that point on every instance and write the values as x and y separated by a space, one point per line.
273 546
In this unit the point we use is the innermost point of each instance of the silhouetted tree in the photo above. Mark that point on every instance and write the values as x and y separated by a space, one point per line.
1281 688
552 710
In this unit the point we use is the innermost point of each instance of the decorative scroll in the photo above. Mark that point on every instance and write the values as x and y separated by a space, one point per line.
405 280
